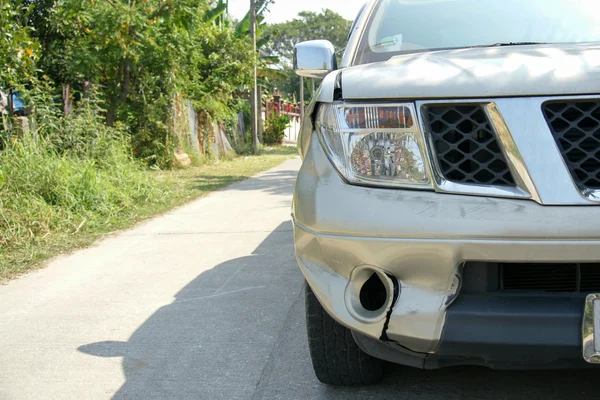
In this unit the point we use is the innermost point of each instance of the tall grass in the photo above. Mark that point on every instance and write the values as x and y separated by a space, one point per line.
73 179
76 177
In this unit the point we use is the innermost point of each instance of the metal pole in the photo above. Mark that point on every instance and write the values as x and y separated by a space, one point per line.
253 100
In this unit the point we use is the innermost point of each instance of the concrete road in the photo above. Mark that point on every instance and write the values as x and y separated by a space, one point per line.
203 303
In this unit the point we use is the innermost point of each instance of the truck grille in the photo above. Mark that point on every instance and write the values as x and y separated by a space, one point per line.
465 145
571 277
575 126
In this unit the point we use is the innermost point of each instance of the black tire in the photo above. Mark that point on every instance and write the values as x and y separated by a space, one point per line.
336 358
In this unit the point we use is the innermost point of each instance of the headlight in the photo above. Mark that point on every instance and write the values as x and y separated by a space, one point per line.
376 144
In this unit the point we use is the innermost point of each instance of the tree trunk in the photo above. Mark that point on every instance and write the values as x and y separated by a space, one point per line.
111 113
126 83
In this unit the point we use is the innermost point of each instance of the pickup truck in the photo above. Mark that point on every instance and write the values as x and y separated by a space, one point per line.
447 211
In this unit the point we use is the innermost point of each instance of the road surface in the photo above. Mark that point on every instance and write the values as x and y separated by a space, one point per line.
204 302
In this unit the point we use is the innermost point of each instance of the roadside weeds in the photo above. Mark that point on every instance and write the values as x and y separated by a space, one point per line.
177 187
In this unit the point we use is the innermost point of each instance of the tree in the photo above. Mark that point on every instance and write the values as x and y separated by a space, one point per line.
18 49
218 65
35 14
139 57
308 26
122 45
140 54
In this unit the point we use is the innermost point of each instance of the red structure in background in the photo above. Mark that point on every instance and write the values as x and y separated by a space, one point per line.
281 106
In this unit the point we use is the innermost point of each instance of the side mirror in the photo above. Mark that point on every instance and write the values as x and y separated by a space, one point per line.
314 59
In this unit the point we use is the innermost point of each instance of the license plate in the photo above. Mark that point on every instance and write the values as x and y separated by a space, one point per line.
591 329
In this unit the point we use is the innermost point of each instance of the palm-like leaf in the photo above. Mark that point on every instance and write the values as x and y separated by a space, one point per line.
213 14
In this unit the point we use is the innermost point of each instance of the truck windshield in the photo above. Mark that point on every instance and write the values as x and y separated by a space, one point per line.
408 26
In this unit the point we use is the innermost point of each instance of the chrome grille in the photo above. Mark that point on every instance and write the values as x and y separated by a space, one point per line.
575 125
466 146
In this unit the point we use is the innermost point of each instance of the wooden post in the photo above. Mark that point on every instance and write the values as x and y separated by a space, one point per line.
267 105
201 131
11 104
277 100
67 103
241 127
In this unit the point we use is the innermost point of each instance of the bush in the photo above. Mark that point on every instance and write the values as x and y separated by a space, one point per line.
244 148
275 127
79 177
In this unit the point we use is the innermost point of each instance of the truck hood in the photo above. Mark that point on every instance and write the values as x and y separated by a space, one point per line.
532 70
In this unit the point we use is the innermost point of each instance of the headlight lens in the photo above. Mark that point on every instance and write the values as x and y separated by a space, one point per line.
378 144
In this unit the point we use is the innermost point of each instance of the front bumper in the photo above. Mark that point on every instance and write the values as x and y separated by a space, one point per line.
504 332
423 238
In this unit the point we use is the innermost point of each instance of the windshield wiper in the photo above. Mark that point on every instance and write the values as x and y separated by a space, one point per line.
503 44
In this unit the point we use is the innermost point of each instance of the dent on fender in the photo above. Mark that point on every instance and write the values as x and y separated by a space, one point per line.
330 85
328 92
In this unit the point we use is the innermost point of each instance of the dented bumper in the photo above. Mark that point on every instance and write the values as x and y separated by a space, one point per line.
422 239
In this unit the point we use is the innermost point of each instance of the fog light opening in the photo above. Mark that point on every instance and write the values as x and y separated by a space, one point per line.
370 293
373 294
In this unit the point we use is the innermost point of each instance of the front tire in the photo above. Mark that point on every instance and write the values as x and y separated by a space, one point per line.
336 358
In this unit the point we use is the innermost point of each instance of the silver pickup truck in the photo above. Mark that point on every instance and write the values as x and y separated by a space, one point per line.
447 211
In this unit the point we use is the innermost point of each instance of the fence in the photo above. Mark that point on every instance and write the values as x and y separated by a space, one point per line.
195 129
293 110
205 135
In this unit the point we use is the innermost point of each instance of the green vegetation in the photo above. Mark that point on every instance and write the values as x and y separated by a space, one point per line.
307 26
189 183
105 85
139 57
275 129
53 201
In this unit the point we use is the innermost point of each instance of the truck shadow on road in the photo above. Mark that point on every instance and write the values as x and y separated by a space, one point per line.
214 339
237 332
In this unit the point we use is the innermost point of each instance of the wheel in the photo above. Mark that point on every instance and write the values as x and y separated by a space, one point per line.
336 358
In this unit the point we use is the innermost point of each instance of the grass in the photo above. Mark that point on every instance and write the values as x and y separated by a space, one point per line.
190 183
53 203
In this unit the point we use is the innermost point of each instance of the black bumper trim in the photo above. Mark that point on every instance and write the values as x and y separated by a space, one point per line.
514 328
500 331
